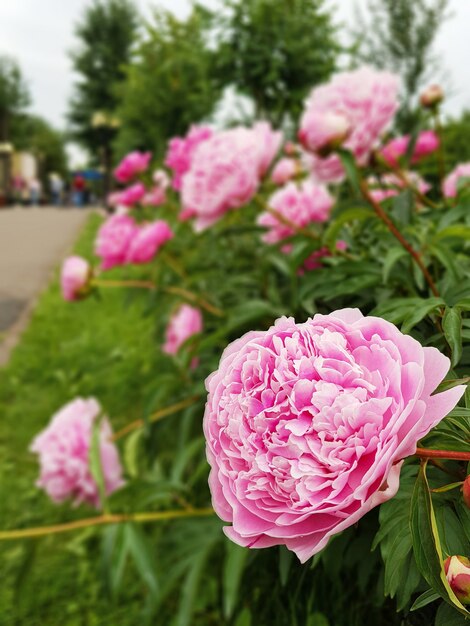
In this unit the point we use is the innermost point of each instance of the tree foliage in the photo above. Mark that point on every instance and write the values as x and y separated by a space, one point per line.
14 94
274 52
399 36
171 83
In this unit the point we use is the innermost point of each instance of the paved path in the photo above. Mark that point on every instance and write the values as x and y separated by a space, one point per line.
32 242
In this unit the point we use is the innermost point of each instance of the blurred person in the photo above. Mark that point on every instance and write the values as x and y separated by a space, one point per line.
18 185
35 189
78 190
56 189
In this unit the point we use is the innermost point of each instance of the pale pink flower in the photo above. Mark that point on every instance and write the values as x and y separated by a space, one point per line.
307 425
455 179
186 322
132 195
390 185
114 198
147 241
431 96
426 143
323 130
284 170
181 150
368 100
113 240
457 570
298 205
161 179
75 278
154 197
64 448
132 164
226 171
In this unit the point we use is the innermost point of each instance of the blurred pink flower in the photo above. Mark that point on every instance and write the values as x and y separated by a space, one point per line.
147 241
226 171
181 150
75 277
367 99
161 179
307 425
113 240
132 164
186 322
299 206
155 197
451 182
284 170
132 195
63 449
431 96
426 143
390 185
320 130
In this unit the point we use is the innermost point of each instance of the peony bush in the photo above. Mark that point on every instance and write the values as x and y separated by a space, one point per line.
311 366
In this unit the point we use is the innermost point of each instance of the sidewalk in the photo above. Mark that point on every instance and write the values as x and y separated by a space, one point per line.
32 242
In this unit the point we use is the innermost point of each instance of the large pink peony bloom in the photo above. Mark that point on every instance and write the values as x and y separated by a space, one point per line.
451 182
75 277
64 454
298 206
147 241
185 323
366 99
307 425
426 143
113 240
132 164
181 150
226 171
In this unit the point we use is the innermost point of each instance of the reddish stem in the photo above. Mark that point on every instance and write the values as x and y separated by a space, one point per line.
453 455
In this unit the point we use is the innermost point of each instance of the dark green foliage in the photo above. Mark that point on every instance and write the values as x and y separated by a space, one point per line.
14 95
274 52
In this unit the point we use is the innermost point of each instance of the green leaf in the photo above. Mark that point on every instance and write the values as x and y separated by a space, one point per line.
234 566
447 616
131 452
424 599
317 619
350 215
95 462
285 562
244 619
426 544
419 312
402 207
456 231
349 164
393 255
452 326
141 553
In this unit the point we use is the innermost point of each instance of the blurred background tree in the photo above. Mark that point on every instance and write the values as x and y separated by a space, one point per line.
171 82
14 95
36 135
274 52
106 32
399 35
456 134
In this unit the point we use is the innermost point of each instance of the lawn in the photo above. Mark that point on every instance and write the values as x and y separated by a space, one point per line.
68 350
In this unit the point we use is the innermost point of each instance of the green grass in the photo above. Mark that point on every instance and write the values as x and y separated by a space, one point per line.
68 350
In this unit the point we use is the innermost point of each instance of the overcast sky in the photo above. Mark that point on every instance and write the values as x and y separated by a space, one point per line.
39 33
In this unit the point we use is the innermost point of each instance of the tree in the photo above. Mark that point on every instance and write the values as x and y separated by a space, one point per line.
399 36
456 134
274 52
171 83
107 31
14 95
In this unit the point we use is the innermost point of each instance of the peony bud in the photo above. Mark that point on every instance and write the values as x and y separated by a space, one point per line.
466 491
431 96
323 132
75 278
457 569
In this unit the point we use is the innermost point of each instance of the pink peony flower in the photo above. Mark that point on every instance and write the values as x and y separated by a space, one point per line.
299 206
314 261
132 195
75 278
426 143
63 449
155 197
185 323
452 181
114 198
113 240
181 150
161 179
306 425
284 170
390 185
147 241
226 171
323 130
367 99
457 570
132 164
